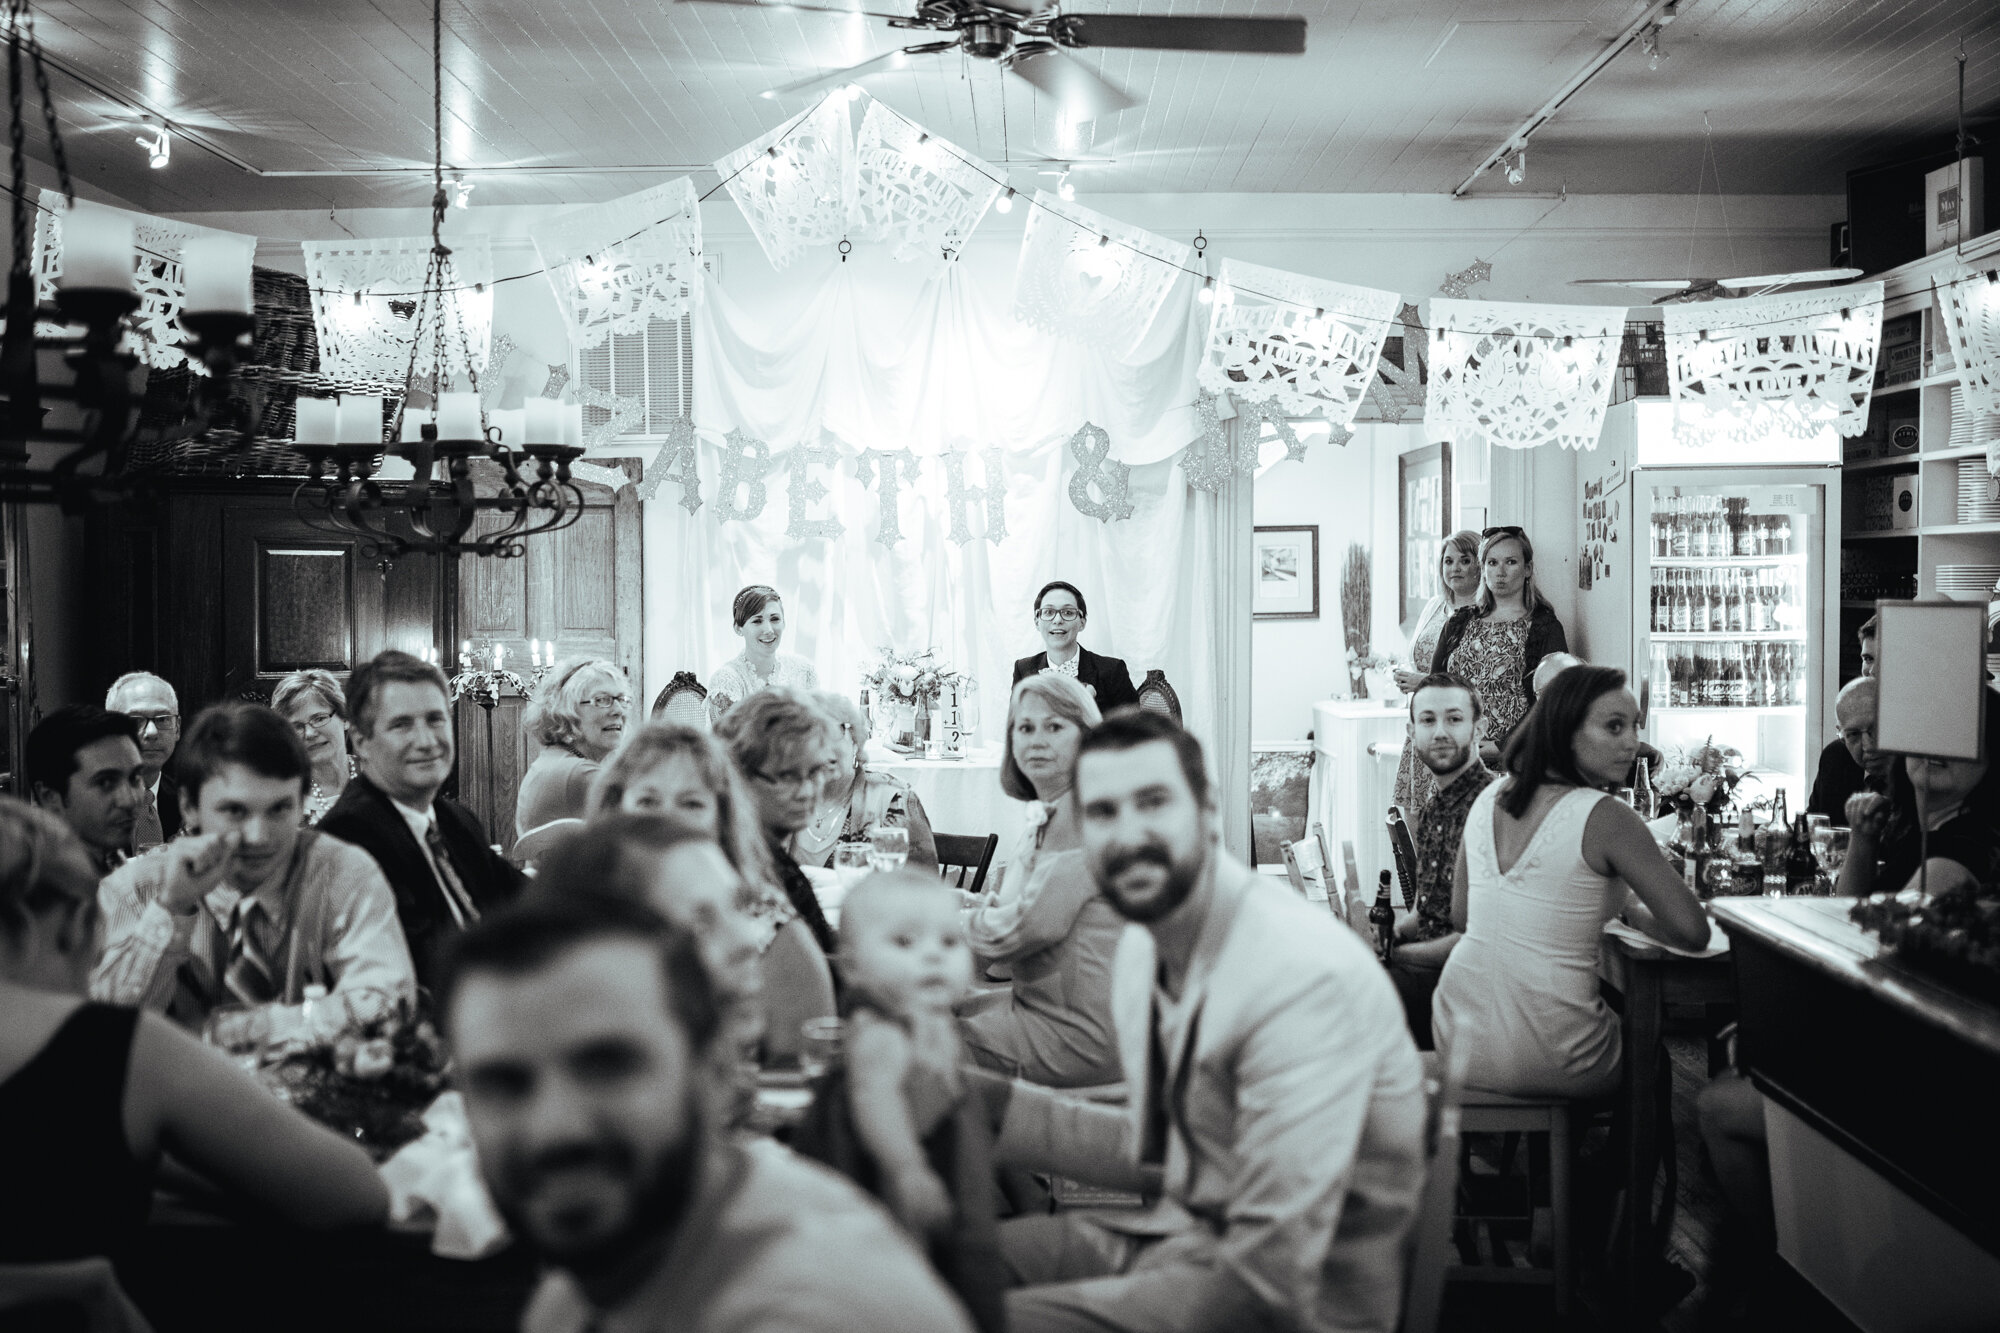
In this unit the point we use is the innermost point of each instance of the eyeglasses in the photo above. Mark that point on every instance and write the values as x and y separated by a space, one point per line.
794 778
1068 615
604 701
158 721
1505 530
312 723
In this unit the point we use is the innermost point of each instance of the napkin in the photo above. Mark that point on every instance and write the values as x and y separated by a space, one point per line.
437 1177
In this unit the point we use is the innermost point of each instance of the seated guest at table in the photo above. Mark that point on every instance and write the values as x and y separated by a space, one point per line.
858 798
1866 637
1269 1072
91 1095
1444 735
1941 813
432 851
1060 615
1457 585
316 706
1851 761
1497 642
781 747
152 701
84 767
577 716
585 1035
249 906
1045 919
1544 864
759 616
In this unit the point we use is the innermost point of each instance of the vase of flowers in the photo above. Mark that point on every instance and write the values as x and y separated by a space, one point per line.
1705 777
367 1065
911 685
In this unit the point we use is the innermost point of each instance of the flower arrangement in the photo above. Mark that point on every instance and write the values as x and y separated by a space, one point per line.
1706 776
368 1070
911 677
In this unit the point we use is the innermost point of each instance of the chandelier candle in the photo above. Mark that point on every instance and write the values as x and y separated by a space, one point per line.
360 420
458 416
216 270
544 420
414 421
97 250
316 421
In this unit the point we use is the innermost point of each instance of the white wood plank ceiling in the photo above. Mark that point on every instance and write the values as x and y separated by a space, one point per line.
569 101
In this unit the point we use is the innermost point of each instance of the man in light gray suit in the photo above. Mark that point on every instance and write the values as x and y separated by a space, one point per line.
1275 1098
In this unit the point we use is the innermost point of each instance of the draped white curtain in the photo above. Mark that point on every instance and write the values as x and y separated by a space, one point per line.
877 355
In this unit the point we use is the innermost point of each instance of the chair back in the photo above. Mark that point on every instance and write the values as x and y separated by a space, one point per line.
1404 852
1157 696
1306 867
798 984
684 702
531 846
964 858
1429 1250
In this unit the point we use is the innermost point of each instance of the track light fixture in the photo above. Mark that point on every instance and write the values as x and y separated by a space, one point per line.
159 148
462 190
1064 190
1519 171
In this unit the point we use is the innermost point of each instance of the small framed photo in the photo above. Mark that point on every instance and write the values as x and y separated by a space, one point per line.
1285 563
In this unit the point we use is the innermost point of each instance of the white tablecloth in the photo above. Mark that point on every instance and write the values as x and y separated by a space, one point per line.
961 796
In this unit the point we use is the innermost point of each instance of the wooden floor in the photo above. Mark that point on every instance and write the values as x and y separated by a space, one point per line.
1733 1292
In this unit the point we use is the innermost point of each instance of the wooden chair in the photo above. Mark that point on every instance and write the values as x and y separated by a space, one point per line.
1429 1250
1157 696
683 702
531 846
1404 854
968 854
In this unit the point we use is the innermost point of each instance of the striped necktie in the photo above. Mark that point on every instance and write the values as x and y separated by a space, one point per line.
463 910
248 975
147 830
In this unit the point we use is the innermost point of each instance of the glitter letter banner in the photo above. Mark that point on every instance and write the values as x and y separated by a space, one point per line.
891 527
370 339
919 194
957 495
795 185
1971 309
157 275
676 453
746 461
1307 345
1793 363
1089 278
1522 375
616 267
807 491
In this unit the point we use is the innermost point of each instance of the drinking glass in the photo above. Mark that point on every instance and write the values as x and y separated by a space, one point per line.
890 846
240 1031
851 862
819 1045
1831 849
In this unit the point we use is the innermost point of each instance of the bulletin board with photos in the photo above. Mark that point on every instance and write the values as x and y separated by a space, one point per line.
1423 497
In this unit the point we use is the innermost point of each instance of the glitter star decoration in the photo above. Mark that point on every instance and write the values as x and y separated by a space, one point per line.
1457 284
493 381
557 381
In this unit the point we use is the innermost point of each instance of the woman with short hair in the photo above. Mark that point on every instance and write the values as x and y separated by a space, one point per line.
578 715
1457 586
860 799
313 702
781 746
758 614
1046 920
1498 641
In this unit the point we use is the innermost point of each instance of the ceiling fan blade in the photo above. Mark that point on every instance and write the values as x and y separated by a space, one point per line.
1646 284
1286 36
807 9
888 60
1794 279
1081 92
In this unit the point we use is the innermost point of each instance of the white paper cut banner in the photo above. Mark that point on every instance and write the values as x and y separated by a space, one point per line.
1971 309
1522 375
795 184
919 194
156 273
1088 278
1793 363
617 267
1307 345
370 339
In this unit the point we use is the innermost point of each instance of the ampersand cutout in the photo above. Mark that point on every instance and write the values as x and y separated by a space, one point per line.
1092 448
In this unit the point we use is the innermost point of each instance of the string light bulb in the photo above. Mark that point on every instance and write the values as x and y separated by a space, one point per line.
1005 203
1064 190
1207 293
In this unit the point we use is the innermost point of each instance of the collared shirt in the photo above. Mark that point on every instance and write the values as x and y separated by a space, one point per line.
421 823
329 919
1440 830
1068 668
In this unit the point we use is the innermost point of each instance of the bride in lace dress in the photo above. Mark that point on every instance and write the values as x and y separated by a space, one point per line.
759 615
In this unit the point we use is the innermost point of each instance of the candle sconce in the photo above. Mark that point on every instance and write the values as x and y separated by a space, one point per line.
483 684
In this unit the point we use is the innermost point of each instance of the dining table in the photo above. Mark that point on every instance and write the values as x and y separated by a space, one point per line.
961 795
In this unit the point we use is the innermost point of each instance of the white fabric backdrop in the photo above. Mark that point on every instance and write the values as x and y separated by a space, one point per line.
875 354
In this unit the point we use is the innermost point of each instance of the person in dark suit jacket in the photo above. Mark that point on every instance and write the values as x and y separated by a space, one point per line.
432 851
1060 615
156 706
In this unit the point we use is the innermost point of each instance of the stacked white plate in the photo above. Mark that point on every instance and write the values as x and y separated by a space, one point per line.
1961 420
1968 583
1975 493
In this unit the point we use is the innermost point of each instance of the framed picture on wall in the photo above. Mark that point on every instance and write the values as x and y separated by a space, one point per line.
1285 564
1423 500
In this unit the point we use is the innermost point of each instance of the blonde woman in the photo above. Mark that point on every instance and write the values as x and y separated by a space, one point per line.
578 715
1458 585
313 702
859 799
1498 641
1046 920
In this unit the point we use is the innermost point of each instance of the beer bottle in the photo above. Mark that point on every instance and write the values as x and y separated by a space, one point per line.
1383 917
1801 869
1642 792
1682 609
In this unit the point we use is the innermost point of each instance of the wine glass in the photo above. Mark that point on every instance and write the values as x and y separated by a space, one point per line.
889 847
851 862
819 1045
1830 848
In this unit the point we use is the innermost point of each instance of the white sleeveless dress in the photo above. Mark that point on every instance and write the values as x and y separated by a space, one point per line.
1519 992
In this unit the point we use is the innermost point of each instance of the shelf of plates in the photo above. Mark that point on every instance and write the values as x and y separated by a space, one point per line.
1922 450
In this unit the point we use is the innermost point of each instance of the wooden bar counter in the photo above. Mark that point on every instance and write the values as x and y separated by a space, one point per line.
1879 1101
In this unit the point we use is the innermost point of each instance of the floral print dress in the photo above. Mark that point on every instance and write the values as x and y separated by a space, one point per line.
1493 655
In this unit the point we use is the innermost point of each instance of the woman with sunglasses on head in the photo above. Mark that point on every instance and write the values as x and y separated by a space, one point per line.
1498 641
1060 615
1458 586
313 702
759 616
578 715
859 799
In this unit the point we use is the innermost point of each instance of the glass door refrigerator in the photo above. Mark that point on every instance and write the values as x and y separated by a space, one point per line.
1714 594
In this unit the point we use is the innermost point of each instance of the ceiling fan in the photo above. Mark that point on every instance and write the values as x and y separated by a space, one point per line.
1682 290
1033 41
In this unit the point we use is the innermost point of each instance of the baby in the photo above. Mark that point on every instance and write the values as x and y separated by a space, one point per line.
896 1116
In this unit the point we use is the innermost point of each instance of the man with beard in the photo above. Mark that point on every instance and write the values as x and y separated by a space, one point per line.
248 907
1444 729
584 1034
1276 1103
1851 762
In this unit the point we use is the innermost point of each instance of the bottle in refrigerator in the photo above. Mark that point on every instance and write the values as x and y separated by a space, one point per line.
1678 527
1733 603
1682 608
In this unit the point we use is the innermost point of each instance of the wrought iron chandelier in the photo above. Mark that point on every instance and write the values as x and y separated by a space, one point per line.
435 510
76 465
